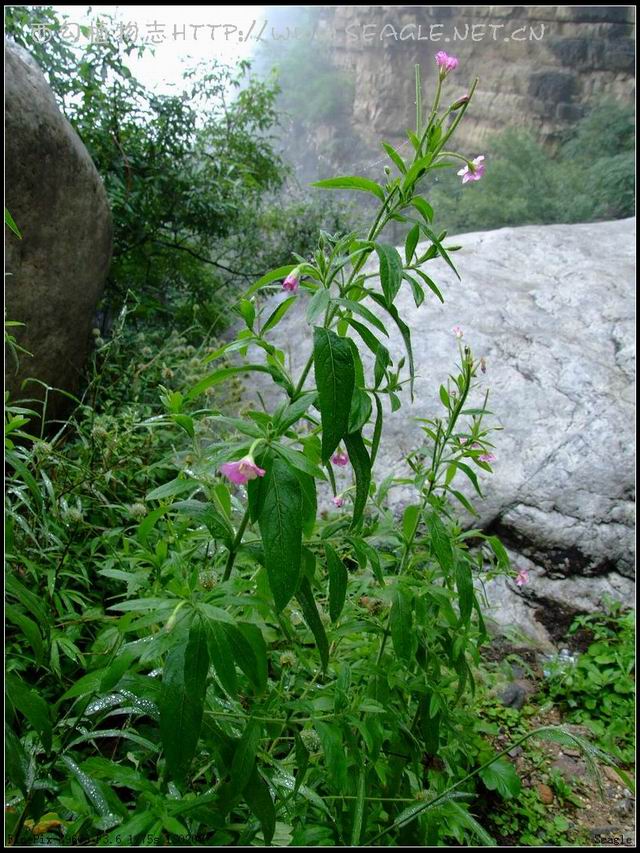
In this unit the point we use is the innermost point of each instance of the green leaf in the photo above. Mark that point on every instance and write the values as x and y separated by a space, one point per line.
244 758
16 761
31 706
441 250
221 656
299 461
204 513
395 157
29 629
462 466
334 753
501 776
361 464
410 520
278 313
377 430
302 762
390 271
441 544
280 525
184 683
309 502
430 284
360 410
250 652
464 584
168 490
274 275
318 304
224 373
404 331
338 578
292 413
312 618
423 207
95 791
400 624
335 380
8 220
351 183
411 242
363 311
257 796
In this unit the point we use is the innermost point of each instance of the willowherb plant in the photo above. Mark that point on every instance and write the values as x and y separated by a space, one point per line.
306 679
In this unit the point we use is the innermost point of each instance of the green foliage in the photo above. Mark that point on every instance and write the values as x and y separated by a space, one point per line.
599 690
191 662
591 177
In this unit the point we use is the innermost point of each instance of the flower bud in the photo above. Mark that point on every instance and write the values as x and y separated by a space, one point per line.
459 103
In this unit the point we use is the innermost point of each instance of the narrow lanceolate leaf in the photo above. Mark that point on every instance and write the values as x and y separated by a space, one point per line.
280 523
244 758
390 271
184 682
278 313
268 278
441 250
351 183
31 706
411 242
404 331
16 761
8 220
464 583
361 464
312 618
250 652
441 544
410 520
395 157
334 753
337 582
94 790
400 624
258 798
221 656
335 380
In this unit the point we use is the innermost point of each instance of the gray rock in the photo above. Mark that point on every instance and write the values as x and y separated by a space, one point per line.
551 309
56 273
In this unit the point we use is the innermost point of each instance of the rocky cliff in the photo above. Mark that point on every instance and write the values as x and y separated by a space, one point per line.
539 66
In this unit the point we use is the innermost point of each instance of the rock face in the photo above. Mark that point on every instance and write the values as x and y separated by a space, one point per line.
538 66
56 273
551 309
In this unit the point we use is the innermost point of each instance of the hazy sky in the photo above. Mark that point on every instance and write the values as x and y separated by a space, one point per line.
181 34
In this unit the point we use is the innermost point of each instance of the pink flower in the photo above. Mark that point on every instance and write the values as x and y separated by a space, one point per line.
340 458
473 171
338 500
457 331
292 280
445 62
523 577
487 457
242 471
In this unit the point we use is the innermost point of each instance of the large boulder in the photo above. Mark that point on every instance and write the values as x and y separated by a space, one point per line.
56 272
551 309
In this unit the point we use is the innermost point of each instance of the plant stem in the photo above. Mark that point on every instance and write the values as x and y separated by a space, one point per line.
233 551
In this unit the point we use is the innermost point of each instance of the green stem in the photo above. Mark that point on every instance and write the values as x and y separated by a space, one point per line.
233 551
444 794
